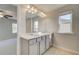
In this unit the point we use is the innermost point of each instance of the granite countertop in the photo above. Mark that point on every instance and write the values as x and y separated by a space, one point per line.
29 36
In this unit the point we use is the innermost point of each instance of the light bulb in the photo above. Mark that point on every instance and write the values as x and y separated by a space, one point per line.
35 10
28 6
32 8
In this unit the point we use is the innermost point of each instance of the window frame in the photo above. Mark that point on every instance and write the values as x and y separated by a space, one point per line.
12 28
65 13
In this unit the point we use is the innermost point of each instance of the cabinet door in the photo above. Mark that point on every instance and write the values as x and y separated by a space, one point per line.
47 42
33 49
42 45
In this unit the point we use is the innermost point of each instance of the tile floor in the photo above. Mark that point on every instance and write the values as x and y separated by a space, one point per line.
56 51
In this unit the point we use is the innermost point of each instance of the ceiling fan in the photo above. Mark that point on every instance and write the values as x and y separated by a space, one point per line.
7 14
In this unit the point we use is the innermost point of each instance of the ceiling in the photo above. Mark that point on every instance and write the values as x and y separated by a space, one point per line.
48 7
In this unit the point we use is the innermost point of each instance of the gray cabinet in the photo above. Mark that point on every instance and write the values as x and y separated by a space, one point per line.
42 45
33 49
35 46
29 47
47 41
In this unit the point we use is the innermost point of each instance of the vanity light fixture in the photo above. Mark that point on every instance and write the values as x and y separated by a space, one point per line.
28 7
34 10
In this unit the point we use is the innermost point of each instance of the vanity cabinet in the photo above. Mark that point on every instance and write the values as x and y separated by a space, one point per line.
35 46
29 47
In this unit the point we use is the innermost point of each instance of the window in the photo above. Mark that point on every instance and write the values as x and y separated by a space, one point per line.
35 26
65 23
14 28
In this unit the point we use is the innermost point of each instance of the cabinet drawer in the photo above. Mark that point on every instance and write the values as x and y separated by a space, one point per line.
32 41
42 46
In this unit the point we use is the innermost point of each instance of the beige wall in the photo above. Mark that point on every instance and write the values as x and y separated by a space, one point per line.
46 25
50 24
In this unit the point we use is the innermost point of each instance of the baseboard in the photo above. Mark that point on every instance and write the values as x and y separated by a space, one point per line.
67 50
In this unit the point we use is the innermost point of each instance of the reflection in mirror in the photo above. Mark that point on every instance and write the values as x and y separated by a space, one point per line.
31 22
32 16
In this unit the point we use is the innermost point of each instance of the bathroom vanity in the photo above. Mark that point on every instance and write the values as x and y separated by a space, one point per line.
35 44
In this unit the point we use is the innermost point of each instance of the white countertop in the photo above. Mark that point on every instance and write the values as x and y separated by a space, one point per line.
29 36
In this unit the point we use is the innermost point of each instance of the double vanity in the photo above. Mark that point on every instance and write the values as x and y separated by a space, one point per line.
35 44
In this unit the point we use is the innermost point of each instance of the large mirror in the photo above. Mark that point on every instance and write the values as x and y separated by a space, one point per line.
31 22
33 16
